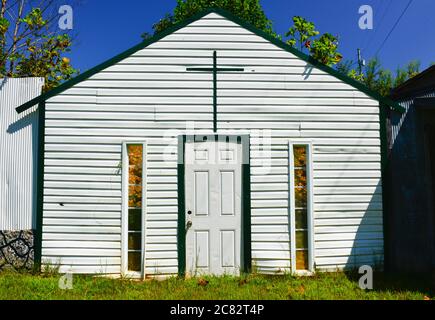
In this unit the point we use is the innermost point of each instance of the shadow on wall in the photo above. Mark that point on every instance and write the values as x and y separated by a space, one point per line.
368 241
30 120
307 71
3 83
411 216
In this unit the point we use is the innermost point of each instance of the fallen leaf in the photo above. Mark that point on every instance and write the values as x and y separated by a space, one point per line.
243 282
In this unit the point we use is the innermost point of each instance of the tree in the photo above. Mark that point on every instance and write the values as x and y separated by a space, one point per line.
301 33
31 44
410 71
323 48
248 10
379 79
344 66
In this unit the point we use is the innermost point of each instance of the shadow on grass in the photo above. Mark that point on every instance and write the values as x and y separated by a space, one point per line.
396 282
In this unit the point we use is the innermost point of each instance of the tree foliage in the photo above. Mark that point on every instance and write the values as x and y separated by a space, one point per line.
135 176
31 45
248 10
303 34
377 78
325 49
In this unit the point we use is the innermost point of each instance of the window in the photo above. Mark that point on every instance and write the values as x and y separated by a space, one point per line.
135 207
301 206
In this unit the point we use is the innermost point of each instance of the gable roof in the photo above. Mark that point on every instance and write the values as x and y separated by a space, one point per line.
421 83
68 84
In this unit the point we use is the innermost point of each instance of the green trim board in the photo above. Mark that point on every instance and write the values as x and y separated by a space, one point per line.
40 185
244 140
181 231
214 92
246 207
68 84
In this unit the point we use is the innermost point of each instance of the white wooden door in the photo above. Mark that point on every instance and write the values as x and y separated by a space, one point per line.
213 185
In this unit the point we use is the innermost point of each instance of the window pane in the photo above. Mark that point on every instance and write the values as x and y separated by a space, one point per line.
302 260
300 178
135 154
135 175
300 156
135 196
135 241
134 219
301 219
300 197
134 261
135 157
301 240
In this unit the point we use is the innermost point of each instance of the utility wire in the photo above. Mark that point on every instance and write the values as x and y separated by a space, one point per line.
363 41
378 26
394 27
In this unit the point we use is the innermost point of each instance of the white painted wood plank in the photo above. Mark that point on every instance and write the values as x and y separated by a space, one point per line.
350 244
86 261
82 244
82 252
349 222
339 235
81 229
80 237
97 269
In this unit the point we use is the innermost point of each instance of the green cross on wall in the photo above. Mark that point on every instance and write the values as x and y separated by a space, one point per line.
215 71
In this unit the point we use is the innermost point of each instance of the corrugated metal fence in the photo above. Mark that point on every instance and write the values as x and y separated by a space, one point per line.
18 153
398 119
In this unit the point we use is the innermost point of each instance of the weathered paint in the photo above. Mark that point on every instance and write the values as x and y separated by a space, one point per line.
18 154
150 96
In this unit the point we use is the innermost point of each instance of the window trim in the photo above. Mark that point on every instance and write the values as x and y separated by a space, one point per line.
310 214
124 212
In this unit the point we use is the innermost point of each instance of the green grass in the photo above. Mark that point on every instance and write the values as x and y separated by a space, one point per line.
16 286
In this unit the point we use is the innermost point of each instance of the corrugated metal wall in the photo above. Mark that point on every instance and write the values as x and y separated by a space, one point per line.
18 153
397 119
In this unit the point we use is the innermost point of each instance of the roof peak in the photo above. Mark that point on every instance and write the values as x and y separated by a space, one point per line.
229 16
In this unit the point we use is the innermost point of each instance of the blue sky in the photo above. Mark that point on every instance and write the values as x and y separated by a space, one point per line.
103 29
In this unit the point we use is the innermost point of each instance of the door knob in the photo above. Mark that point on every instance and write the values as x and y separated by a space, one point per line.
189 224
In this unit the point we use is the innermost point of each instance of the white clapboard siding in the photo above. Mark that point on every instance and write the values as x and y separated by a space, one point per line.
150 97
